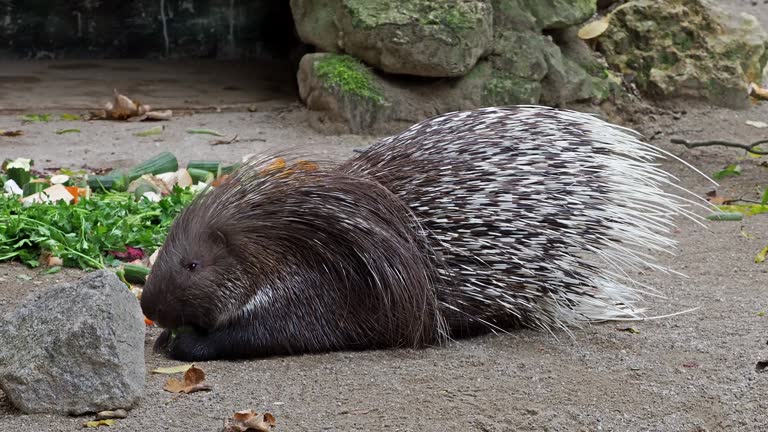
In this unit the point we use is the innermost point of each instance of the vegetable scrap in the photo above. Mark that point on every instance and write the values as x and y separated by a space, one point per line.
35 118
205 132
64 131
249 421
116 219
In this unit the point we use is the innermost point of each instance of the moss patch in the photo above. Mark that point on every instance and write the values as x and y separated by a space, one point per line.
507 89
348 75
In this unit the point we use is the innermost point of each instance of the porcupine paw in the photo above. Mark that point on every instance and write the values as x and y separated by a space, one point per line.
185 345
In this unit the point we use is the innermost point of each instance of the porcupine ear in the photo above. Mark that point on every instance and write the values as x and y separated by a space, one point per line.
218 236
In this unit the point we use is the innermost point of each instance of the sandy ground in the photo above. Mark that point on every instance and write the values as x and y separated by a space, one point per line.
692 372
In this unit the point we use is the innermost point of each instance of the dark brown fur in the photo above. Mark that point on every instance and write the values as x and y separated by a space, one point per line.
338 261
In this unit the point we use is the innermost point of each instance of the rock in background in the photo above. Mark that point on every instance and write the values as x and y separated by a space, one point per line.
74 348
427 57
686 48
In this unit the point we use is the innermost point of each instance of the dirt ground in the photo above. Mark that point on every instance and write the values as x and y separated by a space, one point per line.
691 372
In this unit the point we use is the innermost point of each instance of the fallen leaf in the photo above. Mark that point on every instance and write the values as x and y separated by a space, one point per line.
758 92
745 234
594 29
243 421
757 124
730 170
630 330
11 133
173 369
761 255
23 277
103 415
97 423
303 165
718 200
63 131
691 365
193 381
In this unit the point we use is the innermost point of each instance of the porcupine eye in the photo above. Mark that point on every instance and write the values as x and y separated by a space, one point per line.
192 265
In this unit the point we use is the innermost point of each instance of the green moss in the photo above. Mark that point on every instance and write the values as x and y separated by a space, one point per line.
506 89
348 75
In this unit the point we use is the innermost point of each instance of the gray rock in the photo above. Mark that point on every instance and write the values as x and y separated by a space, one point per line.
555 14
375 103
315 22
512 15
686 48
437 38
565 81
343 89
74 348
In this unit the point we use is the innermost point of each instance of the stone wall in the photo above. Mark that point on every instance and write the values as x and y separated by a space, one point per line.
145 29
425 57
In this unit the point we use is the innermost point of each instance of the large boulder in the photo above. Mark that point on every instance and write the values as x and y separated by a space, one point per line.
315 22
342 89
556 14
438 38
74 348
344 96
686 48
532 64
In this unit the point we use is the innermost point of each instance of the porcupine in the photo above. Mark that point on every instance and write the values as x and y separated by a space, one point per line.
463 224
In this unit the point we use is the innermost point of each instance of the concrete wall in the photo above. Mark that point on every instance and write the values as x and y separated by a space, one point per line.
145 28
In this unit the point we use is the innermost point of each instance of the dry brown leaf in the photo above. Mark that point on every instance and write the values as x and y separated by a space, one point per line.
11 133
193 381
124 108
758 92
248 420
594 29
104 415
304 165
173 369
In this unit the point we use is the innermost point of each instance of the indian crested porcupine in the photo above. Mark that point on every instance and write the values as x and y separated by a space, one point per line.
464 223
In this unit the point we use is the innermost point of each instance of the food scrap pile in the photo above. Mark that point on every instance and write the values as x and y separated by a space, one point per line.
77 219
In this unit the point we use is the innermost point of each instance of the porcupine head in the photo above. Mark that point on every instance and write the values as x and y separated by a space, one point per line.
274 262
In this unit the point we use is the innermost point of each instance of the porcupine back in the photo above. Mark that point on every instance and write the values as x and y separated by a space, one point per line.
535 215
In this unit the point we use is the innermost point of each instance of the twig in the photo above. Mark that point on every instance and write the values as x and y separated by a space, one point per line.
220 142
752 148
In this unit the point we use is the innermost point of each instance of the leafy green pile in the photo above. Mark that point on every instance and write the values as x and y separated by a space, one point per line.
82 234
